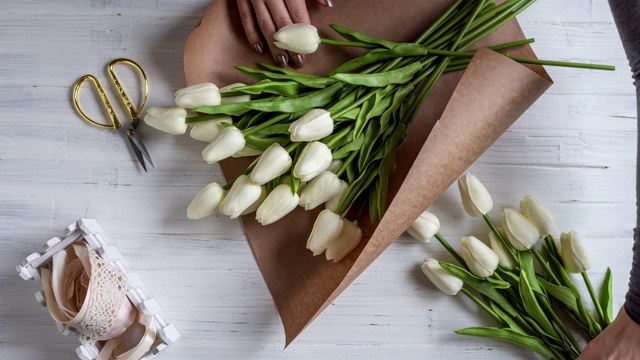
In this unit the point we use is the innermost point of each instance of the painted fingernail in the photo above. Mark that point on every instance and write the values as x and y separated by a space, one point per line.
329 3
297 59
258 47
282 60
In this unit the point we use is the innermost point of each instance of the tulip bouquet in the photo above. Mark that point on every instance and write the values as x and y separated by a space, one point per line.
330 139
519 298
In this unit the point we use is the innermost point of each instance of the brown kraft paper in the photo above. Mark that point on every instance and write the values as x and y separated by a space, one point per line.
474 108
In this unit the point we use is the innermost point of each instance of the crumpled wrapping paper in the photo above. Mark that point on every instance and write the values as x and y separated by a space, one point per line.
463 116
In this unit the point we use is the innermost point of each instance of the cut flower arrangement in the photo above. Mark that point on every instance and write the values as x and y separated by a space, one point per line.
525 303
328 140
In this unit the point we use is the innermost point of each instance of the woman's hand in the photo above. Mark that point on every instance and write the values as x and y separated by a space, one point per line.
262 18
619 341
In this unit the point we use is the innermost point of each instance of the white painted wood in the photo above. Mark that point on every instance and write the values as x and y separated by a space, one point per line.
574 150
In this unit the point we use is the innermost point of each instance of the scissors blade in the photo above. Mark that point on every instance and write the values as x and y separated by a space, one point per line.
130 133
135 123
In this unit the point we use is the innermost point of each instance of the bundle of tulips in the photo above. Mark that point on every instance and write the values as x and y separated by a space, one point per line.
519 298
331 139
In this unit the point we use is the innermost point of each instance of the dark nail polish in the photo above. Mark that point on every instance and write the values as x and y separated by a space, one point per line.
282 60
258 47
329 3
297 59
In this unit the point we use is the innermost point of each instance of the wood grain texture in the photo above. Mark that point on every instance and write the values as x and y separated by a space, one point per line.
574 150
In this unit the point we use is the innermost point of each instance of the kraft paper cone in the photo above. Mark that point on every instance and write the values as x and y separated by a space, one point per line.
474 110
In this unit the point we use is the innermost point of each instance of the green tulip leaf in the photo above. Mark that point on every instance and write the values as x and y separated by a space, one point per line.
561 293
349 147
316 99
285 88
509 335
356 36
482 286
377 55
396 76
506 318
606 296
361 119
304 79
262 143
525 259
532 306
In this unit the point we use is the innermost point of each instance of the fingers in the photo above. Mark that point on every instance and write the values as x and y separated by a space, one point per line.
327 3
270 18
250 25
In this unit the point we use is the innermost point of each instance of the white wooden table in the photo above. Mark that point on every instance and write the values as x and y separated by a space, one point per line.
574 150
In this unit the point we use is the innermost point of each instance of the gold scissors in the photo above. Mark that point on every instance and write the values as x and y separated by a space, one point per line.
128 130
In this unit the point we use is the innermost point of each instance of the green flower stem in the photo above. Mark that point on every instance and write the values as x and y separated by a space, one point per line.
560 324
482 305
451 251
338 137
291 147
497 233
346 163
203 118
356 103
564 64
545 266
348 43
594 298
496 22
264 125
551 244
442 19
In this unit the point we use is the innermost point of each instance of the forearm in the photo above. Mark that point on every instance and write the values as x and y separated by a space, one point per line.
627 16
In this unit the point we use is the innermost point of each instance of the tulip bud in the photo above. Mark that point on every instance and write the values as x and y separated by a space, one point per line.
475 197
168 119
521 232
496 245
256 204
246 152
326 229
425 227
314 159
206 201
299 38
441 278
319 190
241 196
573 253
228 142
233 99
280 202
273 162
335 165
334 203
191 97
348 239
208 130
482 261
314 125
537 214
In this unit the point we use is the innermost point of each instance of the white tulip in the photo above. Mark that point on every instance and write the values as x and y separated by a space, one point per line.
482 261
273 162
314 159
335 165
326 230
475 197
537 214
425 227
280 202
208 130
441 278
191 97
206 201
573 253
228 142
521 232
256 204
233 99
314 125
334 203
299 38
168 119
247 151
319 190
241 196
496 245
348 239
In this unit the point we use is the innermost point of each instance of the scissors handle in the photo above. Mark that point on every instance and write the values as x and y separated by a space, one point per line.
133 111
115 123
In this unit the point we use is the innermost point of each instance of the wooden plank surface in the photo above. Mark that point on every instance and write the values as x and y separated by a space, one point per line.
574 150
